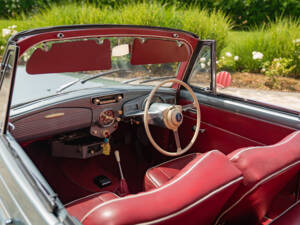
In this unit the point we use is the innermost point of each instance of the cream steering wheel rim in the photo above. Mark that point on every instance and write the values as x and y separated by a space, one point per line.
146 124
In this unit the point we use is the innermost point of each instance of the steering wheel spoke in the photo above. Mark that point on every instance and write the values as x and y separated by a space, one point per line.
188 107
172 118
177 141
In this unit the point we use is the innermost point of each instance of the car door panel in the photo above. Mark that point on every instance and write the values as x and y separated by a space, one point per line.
17 194
227 130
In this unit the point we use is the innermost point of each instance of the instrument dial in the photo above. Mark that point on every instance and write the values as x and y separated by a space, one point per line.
106 118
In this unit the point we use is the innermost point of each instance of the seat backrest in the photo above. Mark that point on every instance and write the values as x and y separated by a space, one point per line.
194 196
266 171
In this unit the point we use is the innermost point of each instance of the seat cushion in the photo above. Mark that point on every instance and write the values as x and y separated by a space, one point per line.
162 173
194 196
291 216
80 207
266 171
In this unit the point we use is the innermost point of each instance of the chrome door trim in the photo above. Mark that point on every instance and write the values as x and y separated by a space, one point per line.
255 111
9 83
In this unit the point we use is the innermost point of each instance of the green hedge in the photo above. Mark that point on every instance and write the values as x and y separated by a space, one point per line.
15 8
244 13
249 13
213 25
280 39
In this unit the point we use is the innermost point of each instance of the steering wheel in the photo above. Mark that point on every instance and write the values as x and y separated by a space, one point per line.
171 117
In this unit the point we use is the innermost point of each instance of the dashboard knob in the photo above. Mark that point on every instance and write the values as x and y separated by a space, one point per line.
119 97
96 101
95 132
105 133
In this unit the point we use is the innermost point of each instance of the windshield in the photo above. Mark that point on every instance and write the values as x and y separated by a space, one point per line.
51 68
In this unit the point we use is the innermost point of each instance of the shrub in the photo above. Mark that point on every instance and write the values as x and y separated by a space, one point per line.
273 41
228 62
248 13
278 67
245 13
15 8
214 25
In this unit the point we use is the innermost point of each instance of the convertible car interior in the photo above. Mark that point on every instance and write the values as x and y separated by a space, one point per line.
111 118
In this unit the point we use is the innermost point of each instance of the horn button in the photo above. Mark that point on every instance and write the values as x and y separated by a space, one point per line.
173 117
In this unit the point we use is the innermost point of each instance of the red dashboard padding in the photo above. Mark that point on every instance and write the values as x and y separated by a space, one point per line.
266 171
155 51
162 173
193 196
73 56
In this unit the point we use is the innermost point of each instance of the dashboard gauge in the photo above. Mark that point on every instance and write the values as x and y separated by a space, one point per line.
106 118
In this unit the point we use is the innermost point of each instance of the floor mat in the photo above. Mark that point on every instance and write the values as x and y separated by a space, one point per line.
74 178
82 172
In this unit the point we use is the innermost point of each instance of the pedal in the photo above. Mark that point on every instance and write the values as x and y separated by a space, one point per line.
102 181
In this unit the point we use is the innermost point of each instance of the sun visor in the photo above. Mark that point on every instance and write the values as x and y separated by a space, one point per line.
155 51
71 56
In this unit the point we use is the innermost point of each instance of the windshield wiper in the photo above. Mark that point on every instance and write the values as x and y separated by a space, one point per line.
135 79
85 79
147 79
157 78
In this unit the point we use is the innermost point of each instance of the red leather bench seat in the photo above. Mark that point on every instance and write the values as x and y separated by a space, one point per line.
266 171
291 216
82 206
195 195
164 172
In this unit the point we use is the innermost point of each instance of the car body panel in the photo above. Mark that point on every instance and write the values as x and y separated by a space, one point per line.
25 195
21 202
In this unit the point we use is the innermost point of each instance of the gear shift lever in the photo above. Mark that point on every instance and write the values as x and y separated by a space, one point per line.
123 189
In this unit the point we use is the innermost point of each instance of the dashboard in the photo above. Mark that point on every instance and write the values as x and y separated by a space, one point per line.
100 111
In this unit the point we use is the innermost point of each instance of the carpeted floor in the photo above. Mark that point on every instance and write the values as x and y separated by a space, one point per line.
74 178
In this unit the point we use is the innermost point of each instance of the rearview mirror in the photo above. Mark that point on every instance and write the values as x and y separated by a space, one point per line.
120 50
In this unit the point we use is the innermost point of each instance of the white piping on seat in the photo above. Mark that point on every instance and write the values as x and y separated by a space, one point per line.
195 203
155 182
256 186
285 211
269 146
153 190
97 193
164 173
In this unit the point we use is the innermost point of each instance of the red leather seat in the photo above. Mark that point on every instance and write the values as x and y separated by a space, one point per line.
81 206
266 171
194 196
291 216
162 173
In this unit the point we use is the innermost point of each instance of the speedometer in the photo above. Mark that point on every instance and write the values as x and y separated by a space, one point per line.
106 118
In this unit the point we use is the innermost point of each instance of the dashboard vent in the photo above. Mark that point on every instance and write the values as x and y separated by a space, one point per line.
107 99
